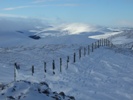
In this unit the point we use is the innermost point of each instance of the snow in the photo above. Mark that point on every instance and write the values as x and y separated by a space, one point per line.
26 90
124 40
106 35
105 74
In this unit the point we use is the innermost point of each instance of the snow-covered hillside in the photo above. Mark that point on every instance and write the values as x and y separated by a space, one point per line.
105 74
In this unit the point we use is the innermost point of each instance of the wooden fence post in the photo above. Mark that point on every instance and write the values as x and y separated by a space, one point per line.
15 71
88 49
17 66
92 47
60 65
95 45
98 44
67 61
53 67
102 42
45 70
32 70
74 57
110 44
79 53
84 51
106 42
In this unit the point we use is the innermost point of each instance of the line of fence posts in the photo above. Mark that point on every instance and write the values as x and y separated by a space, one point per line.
95 45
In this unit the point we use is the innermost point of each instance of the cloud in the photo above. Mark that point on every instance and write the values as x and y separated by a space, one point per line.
18 7
125 23
10 15
68 5
13 24
40 1
29 6
77 28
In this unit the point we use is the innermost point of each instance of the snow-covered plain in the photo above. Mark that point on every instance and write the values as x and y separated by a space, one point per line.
105 74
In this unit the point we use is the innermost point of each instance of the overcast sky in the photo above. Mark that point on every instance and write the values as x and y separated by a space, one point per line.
98 12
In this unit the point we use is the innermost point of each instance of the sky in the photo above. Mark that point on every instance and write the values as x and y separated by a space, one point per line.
97 12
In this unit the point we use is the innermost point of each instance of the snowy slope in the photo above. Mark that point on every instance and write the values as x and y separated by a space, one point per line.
105 74
125 39
25 90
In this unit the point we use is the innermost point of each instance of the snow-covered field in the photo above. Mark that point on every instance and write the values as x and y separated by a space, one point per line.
105 74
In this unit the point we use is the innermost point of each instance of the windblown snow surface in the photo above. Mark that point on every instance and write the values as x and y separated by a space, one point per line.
105 74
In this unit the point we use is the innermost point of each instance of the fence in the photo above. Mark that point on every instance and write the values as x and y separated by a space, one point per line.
74 58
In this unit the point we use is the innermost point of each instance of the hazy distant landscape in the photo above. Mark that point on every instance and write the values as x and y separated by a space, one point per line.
66 50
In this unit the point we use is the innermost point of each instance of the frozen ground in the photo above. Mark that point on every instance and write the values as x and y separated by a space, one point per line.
105 74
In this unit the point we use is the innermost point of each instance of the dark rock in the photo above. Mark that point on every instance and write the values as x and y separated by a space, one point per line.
11 97
35 37
55 93
44 83
71 97
19 97
39 90
2 86
46 92
62 94
3 94
56 97
26 81
13 90
19 31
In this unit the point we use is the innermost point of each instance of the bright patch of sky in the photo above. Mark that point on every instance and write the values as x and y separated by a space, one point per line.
99 12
